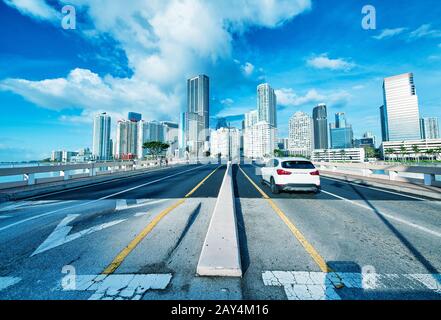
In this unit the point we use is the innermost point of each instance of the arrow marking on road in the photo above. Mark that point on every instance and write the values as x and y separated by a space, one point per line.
6 282
61 235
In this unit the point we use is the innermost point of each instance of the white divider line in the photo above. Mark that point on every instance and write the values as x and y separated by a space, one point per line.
403 221
220 255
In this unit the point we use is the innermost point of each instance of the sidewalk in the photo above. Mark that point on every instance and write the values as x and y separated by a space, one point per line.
405 187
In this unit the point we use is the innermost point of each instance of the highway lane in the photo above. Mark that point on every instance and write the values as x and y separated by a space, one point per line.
291 245
350 238
37 251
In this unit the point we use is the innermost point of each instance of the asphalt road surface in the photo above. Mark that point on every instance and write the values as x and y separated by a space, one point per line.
141 237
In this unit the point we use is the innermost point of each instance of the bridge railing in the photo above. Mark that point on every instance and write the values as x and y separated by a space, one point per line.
39 174
394 172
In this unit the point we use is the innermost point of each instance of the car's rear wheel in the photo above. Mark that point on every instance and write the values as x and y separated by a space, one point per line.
274 187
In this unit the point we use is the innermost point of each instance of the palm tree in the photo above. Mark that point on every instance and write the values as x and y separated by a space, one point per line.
343 154
438 152
430 153
416 150
403 152
389 151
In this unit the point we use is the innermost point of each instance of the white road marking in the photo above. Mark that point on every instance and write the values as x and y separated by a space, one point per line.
94 201
30 204
121 286
382 190
403 221
122 204
300 285
6 282
61 235
4 217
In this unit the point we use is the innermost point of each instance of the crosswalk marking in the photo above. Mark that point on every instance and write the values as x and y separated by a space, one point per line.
303 285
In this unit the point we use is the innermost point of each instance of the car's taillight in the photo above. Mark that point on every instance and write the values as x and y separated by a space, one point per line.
282 172
315 173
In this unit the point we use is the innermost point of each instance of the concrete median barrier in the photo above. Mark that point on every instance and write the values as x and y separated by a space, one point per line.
220 255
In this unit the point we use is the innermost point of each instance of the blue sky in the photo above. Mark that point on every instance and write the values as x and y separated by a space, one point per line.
136 56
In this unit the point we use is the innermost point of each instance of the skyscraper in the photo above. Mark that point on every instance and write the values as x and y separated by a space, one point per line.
251 118
148 131
429 128
320 124
126 139
342 135
400 113
101 137
133 116
198 101
221 123
301 134
267 104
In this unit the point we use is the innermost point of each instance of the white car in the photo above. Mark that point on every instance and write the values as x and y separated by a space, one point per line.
291 174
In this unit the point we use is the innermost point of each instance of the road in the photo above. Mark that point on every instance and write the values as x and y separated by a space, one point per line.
141 237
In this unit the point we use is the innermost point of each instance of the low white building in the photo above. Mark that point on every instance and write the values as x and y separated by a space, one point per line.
427 148
338 155
225 142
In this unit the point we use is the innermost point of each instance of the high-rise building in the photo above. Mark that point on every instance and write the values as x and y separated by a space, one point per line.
400 113
225 142
221 123
340 120
301 134
260 140
135 117
171 136
198 109
320 124
181 134
251 118
342 135
267 104
429 128
148 131
126 139
195 134
57 156
101 137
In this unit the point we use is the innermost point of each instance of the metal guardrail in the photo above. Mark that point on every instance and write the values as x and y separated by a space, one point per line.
392 171
64 172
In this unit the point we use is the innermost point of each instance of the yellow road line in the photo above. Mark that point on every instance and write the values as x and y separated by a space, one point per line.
308 247
119 259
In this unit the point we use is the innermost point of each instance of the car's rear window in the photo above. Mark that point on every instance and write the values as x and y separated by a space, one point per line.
297 165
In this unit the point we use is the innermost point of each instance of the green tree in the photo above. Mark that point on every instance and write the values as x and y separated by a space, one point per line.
417 151
278 153
403 152
370 152
389 151
155 148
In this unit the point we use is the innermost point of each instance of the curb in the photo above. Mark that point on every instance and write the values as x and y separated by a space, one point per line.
220 255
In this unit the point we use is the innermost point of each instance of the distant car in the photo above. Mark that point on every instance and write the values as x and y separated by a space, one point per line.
291 174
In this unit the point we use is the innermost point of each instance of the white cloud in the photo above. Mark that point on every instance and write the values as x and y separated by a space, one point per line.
425 31
288 98
37 9
165 43
248 68
324 62
389 33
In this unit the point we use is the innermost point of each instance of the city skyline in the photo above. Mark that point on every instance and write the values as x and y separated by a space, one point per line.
51 94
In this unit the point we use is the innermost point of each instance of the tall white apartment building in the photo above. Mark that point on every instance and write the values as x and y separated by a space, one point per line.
266 104
251 118
101 137
301 134
400 118
225 142
126 139
260 140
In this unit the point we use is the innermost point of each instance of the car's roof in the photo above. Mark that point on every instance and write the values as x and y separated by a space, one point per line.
291 159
